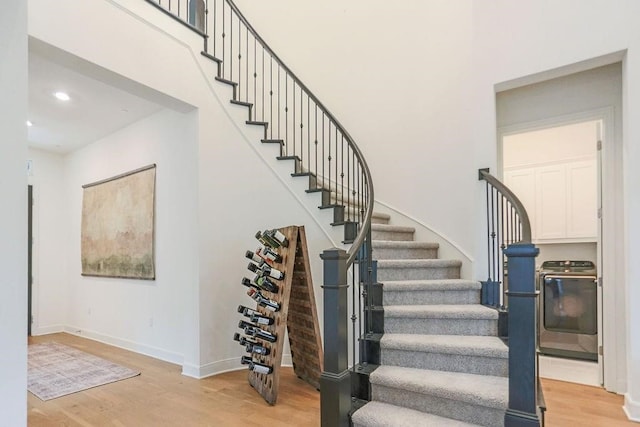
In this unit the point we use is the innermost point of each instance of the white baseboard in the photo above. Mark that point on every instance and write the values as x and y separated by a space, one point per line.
222 366
631 408
46 330
574 371
147 350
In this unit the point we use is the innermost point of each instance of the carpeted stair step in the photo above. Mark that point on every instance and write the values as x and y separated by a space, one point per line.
479 399
389 249
440 291
469 319
391 232
412 269
380 218
378 414
482 355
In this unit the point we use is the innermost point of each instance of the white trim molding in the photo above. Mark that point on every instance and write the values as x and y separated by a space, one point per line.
631 408
222 366
147 350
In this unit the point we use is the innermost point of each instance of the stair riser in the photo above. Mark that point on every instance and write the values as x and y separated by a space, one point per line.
396 236
404 253
431 297
378 220
407 325
417 273
446 362
448 408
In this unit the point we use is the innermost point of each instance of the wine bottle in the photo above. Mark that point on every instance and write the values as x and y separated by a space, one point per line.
268 254
261 300
255 316
254 331
246 310
255 258
266 284
251 346
266 270
257 367
281 238
261 283
267 240
249 284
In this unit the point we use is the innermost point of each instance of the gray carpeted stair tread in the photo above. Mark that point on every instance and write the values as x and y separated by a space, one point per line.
444 311
419 263
431 285
481 390
379 414
484 346
403 244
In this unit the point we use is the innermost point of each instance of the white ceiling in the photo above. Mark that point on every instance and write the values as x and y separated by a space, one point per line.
96 109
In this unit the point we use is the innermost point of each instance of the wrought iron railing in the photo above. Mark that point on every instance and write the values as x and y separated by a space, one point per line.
507 223
511 288
322 150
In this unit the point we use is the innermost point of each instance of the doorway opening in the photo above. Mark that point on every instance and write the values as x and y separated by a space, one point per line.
29 258
555 170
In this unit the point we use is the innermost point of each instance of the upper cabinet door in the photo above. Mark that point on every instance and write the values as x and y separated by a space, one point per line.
551 194
582 213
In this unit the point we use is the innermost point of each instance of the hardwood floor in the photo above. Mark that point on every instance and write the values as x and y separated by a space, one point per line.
161 396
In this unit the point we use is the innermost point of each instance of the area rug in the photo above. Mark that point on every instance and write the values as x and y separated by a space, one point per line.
57 370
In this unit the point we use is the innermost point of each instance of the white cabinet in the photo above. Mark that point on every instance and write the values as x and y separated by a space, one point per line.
561 199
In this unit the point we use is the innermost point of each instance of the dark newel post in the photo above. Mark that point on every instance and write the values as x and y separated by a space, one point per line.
523 408
335 382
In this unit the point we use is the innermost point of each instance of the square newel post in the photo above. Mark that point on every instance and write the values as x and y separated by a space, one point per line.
522 293
335 381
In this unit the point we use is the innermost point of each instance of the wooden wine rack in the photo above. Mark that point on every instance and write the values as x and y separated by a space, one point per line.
298 315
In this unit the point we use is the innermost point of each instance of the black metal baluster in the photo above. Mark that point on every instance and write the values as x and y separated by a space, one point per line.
323 158
353 316
493 236
270 93
286 113
488 234
329 164
231 46
309 138
336 164
341 170
302 130
349 158
246 74
224 38
262 91
316 142
215 25
279 132
293 122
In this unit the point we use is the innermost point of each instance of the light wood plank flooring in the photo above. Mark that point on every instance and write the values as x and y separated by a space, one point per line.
161 396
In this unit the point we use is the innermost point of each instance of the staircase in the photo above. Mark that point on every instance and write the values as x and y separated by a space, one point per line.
434 357
441 362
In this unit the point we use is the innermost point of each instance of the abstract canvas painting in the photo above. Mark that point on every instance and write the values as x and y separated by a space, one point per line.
118 226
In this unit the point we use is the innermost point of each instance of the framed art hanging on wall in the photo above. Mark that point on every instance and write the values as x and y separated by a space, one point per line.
117 231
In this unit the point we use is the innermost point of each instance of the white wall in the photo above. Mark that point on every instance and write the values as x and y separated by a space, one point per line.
50 229
148 316
13 215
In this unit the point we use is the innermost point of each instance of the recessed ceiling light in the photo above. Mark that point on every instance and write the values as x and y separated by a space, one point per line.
62 96
29 123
